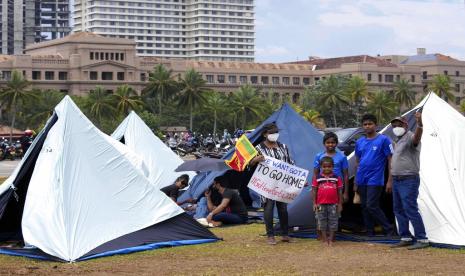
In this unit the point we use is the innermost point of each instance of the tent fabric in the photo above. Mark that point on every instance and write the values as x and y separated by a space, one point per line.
159 159
442 170
303 141
86 191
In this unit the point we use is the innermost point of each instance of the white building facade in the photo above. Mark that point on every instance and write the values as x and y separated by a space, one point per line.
220 30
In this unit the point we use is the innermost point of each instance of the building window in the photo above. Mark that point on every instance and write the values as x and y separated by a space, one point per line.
457 87
369 77
275 80
121 56
116 56
254 79
120 76
36 75
380 78
102 56
445 72
296 81
389 78
107 75
306 81
232 79
317 79
265 80
6 75
63 75
412 78
210 79
91 56
49 75
143 77
220 78
457 100
107 56
93 75
243 79
112 56
457 73
286 80
425 75
397 77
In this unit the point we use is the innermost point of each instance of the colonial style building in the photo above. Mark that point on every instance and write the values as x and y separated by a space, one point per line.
79 62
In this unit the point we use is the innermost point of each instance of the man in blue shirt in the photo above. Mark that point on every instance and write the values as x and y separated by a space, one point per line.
371 153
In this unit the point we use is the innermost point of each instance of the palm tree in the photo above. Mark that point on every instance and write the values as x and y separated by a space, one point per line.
42 108
100 104
357 92
247 101
382 105
331 95
126 99
215 103
314 118
14 94
403 93
441 86
161 85
192 92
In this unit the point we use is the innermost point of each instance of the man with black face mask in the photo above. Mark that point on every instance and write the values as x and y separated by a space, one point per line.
405 168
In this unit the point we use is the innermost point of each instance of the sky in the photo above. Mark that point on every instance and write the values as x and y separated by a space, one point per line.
289 30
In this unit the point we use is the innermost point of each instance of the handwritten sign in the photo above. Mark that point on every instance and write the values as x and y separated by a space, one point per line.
278 180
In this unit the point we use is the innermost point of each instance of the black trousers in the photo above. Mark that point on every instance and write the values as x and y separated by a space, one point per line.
282 215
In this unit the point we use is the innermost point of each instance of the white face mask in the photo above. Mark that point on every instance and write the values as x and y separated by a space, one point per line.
273 137
398 131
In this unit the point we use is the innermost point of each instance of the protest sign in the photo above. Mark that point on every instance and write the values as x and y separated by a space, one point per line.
278 180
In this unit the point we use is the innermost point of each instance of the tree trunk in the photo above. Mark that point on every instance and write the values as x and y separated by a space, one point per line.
244 117
214 122
12 123
334 118
191 117
159 104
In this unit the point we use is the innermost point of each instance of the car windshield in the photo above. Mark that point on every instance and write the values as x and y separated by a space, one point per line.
345 133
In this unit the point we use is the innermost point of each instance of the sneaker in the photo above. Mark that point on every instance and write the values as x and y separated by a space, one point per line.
402 244
418 245
287 239
271 241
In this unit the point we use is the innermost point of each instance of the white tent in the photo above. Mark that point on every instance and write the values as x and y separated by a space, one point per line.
160 160
84 191
442 171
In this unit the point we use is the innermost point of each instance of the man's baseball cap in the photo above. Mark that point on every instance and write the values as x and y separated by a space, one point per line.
400 119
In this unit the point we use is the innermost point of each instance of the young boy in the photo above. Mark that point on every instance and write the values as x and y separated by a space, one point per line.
372 152
327 199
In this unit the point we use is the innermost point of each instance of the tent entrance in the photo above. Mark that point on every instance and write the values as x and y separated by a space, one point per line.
12 202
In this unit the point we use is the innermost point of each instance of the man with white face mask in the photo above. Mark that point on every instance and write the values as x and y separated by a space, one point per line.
405 168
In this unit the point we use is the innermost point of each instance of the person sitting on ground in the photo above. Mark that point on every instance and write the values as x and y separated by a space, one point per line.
231 210
173 190
327 199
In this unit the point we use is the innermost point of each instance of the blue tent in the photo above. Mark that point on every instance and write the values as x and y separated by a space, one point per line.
304 142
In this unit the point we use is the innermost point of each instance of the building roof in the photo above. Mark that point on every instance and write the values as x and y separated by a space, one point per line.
332 63
248 65
429 57
83 38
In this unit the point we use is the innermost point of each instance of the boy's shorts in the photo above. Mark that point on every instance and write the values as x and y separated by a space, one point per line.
327 217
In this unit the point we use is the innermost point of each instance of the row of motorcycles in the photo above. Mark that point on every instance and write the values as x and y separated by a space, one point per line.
200 146
10 150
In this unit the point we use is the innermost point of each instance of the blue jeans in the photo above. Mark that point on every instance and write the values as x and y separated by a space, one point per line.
371 211
405 194
229 218
256 200
202 209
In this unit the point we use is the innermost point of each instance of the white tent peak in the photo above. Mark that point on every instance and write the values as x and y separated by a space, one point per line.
160 160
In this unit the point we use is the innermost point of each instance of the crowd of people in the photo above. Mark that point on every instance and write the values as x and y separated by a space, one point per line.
330 185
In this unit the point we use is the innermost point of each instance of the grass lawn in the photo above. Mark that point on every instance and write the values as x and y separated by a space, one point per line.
244 252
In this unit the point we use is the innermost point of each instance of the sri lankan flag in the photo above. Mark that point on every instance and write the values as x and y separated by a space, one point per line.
245 151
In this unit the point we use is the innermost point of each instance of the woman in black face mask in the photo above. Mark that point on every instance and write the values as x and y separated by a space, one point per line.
272 148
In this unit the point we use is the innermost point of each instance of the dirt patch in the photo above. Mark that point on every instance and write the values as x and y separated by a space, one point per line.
244 252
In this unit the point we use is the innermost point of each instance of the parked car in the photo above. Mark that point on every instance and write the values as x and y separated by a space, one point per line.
347 138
